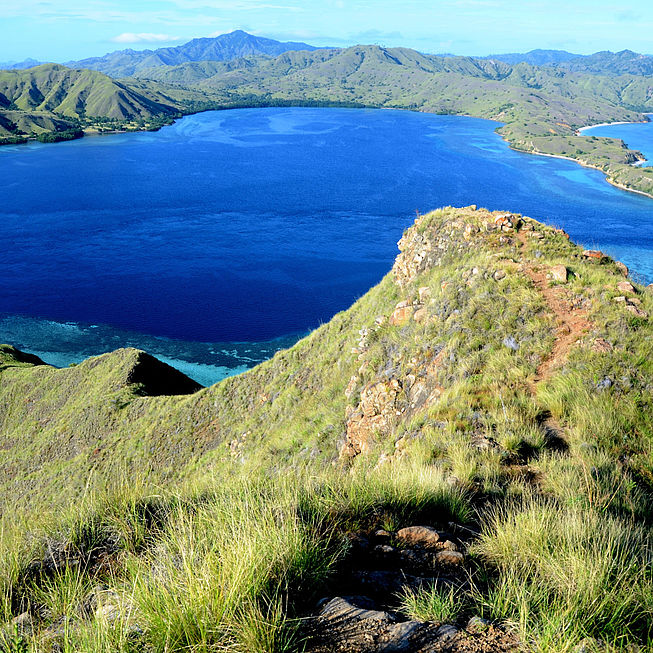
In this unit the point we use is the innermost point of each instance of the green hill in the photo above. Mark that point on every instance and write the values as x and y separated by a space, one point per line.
542 107
52 98
496 384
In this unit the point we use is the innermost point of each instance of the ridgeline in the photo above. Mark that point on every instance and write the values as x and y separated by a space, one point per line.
541 107
459 462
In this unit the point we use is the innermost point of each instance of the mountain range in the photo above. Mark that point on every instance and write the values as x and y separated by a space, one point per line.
125 63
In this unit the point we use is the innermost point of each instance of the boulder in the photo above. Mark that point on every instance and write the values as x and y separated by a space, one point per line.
559 273
449 557
626 287
622 268
401 314
594 254
420 315
423 536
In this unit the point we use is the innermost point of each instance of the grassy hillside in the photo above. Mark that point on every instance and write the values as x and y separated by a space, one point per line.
497 384
53 98
542 107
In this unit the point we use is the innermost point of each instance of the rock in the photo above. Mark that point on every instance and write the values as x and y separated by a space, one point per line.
420 315
424 294
343 610
449 557
537 235
604 383
423 536
22 624
384 550
559 273
622 268
351 386
499 274
399 637
619 299
626 287
593 254
448 545
538 254
602 345
478 625
446 631
511 343
637 312
382 534
401 314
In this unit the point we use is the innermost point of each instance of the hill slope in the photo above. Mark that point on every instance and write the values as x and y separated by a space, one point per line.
125 63
542 107
53 98
500 381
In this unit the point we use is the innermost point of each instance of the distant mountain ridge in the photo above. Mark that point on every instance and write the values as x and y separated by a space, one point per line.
19 65
605 62
125 63
534 57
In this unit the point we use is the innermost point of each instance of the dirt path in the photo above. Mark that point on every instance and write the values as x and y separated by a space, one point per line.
571 324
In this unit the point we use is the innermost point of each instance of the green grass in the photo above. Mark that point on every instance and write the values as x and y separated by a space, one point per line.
214 521
437 604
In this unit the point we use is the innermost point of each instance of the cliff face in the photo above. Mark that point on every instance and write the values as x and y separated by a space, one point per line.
465 454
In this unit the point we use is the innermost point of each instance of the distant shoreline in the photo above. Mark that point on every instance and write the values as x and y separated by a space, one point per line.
589 165
640 162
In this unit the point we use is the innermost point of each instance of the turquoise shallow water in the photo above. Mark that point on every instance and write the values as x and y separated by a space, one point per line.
222 238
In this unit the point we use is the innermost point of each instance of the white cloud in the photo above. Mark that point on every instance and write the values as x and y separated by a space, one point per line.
143 37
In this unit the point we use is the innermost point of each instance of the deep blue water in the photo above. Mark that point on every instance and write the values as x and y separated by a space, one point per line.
638 136
250 225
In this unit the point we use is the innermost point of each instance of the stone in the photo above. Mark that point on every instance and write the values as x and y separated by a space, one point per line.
602 345
511 343
449 557
626 287
446 631
401 315
423 536
382 534
593 254
351 386
637 312
537 235
424 294
384 549
448 545
477 625
604 383
559 273
622 268
619 299
420 315
344 610
399 637
499 274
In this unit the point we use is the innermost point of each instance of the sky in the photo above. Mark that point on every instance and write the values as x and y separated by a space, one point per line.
62 30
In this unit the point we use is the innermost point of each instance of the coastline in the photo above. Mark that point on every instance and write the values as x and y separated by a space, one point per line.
588 165
580 130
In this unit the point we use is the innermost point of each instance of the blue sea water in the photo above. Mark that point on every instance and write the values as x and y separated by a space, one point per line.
638 136
206 241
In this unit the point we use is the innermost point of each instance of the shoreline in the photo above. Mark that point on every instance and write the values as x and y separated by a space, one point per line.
587 165
640 162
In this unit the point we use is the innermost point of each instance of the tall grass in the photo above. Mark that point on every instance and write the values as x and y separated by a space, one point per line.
565 574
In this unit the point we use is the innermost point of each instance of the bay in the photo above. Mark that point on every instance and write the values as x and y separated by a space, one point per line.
220 239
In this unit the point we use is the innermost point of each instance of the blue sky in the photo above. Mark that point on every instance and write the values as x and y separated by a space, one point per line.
58 30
